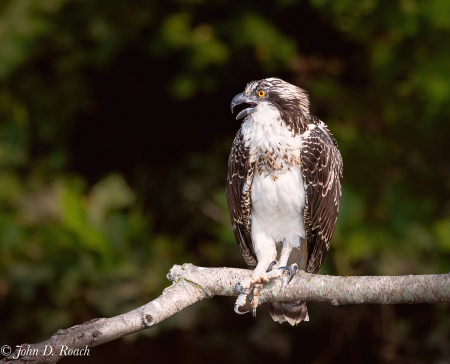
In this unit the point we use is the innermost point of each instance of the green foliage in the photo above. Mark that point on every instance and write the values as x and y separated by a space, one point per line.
74 244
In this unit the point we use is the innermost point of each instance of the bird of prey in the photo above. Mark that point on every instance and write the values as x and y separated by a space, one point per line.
283 190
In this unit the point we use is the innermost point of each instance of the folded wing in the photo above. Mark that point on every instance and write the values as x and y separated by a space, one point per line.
322 176
240 177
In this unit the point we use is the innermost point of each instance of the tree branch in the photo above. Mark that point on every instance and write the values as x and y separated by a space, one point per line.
191 284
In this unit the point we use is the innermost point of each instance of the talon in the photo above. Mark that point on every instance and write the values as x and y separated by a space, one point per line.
236 309
297 304
288 269
271 266
239 303
292 274
238 289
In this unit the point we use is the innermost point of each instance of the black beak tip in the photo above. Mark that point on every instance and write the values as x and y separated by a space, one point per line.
237 100
240 99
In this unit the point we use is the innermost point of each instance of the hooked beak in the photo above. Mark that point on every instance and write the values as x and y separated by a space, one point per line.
240 99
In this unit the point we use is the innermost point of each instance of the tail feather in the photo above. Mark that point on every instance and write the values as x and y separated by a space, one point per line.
276 311
288 312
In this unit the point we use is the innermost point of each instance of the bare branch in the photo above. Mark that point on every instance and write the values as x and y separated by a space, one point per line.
191 284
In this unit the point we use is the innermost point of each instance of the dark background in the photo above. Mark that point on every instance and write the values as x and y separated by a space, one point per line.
114 138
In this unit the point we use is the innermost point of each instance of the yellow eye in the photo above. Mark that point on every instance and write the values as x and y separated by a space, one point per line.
261 93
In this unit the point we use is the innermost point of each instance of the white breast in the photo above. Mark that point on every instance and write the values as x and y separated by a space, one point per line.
277 207
278 195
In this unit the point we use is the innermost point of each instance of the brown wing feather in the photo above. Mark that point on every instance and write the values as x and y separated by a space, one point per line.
240 177
322 175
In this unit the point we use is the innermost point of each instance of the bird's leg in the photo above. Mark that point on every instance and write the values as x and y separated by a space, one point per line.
265 253
276 268
284 257
258 276
272 265
285 253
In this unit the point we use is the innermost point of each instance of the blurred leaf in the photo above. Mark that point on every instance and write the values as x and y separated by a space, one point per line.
442 230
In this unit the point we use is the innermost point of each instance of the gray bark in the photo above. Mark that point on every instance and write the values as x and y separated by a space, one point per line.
191 284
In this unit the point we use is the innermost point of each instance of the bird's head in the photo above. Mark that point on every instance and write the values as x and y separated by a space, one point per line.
291 101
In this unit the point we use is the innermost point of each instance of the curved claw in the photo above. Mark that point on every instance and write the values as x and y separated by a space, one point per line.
236 309
297 304
238 288
292 274
271 266
288 269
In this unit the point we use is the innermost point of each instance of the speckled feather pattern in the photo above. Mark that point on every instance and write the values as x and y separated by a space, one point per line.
240 177
322 172
284 185
277 193
273 142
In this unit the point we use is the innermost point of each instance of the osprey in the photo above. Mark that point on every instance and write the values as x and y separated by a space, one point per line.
283 190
